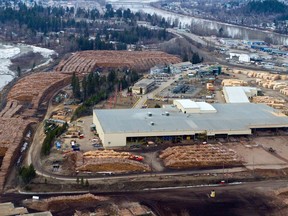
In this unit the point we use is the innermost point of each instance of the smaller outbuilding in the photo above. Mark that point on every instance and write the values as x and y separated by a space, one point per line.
143 86
238 94
189 106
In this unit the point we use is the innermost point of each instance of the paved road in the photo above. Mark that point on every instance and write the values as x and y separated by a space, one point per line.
193 37
156 91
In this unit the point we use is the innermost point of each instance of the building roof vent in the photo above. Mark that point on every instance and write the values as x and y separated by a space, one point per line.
149 114
152 123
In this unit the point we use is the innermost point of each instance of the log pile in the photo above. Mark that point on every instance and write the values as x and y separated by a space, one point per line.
112 165
198 156
34 88
106 153
12 107
12 131
105 161
87 61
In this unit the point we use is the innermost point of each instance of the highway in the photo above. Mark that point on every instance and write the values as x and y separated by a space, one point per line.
179 33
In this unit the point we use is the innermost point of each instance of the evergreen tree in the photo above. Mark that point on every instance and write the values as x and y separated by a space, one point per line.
19 71
196 58
75 86
27 173
82 181
86 183
84 87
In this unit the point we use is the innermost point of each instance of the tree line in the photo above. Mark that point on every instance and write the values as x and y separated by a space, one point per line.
48 19
94 88
50 137
266 7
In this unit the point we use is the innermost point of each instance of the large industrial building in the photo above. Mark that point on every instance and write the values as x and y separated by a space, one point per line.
185 119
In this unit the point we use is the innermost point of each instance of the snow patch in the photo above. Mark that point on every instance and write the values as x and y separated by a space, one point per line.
46 53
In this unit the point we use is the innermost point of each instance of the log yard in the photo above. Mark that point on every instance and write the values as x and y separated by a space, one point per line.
114 111
186 133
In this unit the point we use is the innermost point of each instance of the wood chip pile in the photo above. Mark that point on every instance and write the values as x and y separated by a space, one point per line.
11 131
87 61
181 157
34 88
105 161
63 202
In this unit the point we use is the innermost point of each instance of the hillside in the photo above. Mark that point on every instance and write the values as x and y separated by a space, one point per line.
266 7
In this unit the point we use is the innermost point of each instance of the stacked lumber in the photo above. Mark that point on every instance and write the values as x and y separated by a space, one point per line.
270 101
87 61
12 131
34 88
181 157
265 75
233 82
284 91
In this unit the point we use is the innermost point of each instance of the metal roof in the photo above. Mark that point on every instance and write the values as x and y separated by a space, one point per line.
187 104
235 94
199 107
144 82
229 117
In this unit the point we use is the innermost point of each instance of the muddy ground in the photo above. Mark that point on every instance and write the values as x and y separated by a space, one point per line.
256 198
26 61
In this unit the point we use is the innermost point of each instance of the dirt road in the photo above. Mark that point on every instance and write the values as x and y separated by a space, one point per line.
234 200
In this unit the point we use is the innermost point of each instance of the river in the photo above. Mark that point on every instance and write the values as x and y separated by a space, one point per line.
207 27
10 51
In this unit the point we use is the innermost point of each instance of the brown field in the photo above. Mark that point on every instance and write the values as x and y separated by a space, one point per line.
88 61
